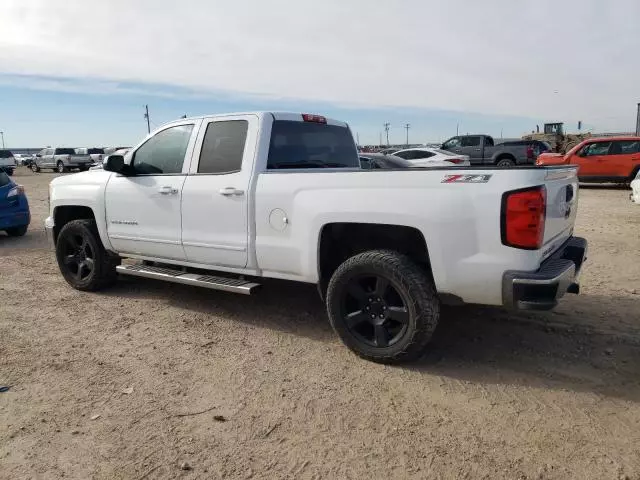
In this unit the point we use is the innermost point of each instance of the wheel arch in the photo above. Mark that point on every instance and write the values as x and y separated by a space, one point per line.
504 156
339 241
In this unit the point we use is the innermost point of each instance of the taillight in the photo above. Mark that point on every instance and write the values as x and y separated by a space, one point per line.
307 117
523 216
456 160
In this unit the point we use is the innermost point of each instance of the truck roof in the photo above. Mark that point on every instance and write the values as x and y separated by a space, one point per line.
290 116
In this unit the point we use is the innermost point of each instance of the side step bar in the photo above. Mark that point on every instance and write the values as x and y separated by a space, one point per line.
178 276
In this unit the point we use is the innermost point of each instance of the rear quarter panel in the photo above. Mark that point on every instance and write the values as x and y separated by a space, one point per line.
459 221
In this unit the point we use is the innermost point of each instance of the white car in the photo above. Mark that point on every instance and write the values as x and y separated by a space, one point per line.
420 156
635 189
225 201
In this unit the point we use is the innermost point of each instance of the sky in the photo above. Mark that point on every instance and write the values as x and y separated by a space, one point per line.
79 72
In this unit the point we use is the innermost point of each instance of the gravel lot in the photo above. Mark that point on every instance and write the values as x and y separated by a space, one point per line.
152 380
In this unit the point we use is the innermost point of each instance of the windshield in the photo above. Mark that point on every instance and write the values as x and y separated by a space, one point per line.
311 145
94 151
65 151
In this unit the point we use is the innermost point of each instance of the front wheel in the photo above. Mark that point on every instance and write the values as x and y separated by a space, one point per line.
35 168
383 306
61 168
83 261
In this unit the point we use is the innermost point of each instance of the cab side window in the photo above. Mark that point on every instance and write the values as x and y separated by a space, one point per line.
164 152
223 147
596 149
452 143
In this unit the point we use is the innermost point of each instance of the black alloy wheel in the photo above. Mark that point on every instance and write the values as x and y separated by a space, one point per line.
374 311
78 256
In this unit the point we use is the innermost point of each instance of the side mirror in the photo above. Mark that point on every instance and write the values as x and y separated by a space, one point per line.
38 155
114 163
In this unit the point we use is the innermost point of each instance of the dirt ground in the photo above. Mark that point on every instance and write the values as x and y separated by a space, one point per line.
153 380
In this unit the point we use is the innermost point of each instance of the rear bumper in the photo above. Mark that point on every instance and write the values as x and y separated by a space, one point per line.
541 290
14 218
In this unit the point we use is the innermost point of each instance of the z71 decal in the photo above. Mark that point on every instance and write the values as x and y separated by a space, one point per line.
466 178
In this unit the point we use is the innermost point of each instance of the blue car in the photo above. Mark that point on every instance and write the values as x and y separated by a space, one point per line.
14 207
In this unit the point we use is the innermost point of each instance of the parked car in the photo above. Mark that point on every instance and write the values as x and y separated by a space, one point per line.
98 166
389 151
600 160
424 156
482 150
223 201
96 154
7 161
378 161
111 150
635 189
23 159
14 207
60 159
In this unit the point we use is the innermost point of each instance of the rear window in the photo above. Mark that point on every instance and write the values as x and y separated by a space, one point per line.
4 179
311 145
6 154
65 151
95 151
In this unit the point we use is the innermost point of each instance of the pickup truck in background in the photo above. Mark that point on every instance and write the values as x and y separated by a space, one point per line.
7 162
60 159
482 150
600 160
228 201
97 154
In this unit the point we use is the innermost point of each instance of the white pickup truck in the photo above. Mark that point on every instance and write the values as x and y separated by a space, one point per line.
227 200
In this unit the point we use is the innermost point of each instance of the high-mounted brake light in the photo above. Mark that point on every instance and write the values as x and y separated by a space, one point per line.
523 217
308 117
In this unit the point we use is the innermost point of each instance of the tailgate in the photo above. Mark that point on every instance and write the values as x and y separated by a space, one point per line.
562 207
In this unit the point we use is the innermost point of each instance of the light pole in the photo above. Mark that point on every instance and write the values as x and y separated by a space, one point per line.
2 135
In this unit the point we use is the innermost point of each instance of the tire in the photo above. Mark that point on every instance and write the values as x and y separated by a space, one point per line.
9 171
505 163
17 231
35 168
83 261
60 167
397 293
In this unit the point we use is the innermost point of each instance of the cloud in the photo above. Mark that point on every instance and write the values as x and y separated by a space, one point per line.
568 61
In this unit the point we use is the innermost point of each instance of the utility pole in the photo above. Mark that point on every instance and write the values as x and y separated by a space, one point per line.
357 139
2 135
638 121
407 126
457 128
380 139
146 115
386 129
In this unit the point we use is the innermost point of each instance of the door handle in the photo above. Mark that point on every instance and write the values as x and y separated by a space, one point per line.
167 190
228 191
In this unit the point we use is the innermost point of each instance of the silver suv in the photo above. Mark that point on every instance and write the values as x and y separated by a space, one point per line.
60 159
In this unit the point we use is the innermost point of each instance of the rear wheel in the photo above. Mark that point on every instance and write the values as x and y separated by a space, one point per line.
383 306
17 231
83 261
505 163
61 168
